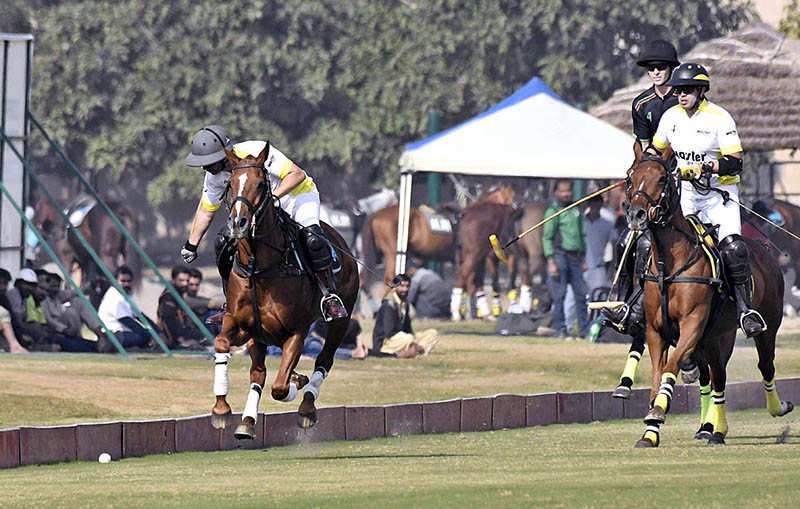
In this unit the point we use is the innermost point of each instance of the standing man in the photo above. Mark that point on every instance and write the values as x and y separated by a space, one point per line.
290 185
564 245
599 232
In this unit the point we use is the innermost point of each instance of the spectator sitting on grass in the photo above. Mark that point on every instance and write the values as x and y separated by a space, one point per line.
118 315
393 335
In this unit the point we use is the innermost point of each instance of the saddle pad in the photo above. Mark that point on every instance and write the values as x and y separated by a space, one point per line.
708 242
436 222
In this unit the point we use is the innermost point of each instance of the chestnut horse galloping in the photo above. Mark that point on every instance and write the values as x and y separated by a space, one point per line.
682 304
273 298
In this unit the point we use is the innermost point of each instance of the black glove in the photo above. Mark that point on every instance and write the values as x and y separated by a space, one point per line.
189 252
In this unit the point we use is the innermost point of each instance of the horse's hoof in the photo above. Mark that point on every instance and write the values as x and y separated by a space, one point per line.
299 379
691 376
717 439
220 421
306 421
622 392
245 431
644 443
655 416
786 407
705 432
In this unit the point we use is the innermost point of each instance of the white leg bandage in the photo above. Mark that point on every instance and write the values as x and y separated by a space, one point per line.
314 384
525 298
221 374
292 393
251 407
455 304
482 303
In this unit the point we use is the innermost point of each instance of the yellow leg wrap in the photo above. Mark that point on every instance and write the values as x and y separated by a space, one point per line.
665 391
773 401
631 366
705 403
652 436
496 304
720 420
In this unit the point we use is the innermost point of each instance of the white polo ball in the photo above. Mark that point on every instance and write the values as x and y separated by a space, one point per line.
104 458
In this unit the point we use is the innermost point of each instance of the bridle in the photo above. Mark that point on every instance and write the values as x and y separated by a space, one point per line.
661 211
256 212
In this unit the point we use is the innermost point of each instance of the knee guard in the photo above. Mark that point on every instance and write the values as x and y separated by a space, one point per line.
736 257
317 247
642 256
223 252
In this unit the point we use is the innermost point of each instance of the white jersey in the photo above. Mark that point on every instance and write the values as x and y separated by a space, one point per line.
707 135
277 165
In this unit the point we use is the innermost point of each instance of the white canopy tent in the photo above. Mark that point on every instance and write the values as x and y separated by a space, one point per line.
531 133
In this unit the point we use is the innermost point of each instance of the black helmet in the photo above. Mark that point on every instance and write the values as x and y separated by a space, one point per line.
690 75
207 144
658 51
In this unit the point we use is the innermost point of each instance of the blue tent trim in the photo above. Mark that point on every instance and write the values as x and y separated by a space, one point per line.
533 87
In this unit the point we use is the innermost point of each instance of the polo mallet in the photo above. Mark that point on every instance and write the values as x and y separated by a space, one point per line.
498 251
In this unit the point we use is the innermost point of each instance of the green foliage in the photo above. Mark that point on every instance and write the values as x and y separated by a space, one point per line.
790 23
338 85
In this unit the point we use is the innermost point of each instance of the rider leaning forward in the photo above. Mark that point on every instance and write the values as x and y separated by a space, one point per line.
291 186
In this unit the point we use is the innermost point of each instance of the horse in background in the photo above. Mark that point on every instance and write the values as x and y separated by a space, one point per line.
782 240
526 257
100 233
683 305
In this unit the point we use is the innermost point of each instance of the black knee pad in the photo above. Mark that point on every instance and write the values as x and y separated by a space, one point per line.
736 257
223 252
642 254
317 247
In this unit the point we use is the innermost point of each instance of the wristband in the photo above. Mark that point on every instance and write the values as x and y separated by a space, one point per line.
190 247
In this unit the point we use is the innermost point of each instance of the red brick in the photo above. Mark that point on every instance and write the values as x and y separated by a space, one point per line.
755 395
9 448
404 419
93 439
230 442
735 396
476 414
693 398
363 422
508 411
788 390
140 438
604 407
196 434
541 409
282 429
680 400
47 444
574 407
639 404
441 416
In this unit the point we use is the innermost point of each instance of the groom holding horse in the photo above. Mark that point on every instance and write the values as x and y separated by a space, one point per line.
292 187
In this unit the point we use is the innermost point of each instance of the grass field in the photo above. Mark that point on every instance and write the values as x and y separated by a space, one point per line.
576 465
60 389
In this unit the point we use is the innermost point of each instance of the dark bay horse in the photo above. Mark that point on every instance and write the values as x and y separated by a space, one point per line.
97 228
273 300
526 257
784 241
690 311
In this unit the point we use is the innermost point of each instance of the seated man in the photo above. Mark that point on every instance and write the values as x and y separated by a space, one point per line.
62 312
118 316
351 346
30 325
180 332
392 335
428 294
6 321
203 307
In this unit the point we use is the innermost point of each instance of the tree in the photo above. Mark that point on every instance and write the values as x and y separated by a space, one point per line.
790 23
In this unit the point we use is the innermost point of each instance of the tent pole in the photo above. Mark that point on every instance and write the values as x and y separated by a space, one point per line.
404 211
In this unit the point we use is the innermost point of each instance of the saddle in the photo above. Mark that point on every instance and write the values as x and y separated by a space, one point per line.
438 223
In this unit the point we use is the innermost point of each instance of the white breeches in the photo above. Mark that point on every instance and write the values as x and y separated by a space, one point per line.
711 209
304 208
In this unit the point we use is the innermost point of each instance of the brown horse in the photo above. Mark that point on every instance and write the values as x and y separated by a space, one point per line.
273 299
784 241
690 311
526 257
97 228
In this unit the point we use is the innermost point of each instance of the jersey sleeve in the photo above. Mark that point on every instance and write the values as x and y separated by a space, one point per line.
661 138
277 164
728 136
641 127
214 191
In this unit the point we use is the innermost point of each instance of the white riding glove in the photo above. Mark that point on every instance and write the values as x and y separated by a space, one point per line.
189 252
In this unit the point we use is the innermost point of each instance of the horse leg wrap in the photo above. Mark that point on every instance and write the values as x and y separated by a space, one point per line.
720 420
665 392
652 432
482 303
773 401
292 393
455 304
496 310
525 298
251 407
315 383
705 403
221 373
631 366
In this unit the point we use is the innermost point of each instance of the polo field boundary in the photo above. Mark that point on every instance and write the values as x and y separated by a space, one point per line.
29 445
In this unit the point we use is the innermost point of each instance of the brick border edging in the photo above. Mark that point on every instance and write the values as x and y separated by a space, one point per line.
28 445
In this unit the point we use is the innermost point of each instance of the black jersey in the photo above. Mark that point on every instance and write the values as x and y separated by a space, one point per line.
647 110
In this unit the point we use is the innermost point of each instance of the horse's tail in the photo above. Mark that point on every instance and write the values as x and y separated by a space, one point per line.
369 251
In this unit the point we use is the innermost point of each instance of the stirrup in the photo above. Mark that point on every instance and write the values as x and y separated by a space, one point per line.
332 307
755 315
617 317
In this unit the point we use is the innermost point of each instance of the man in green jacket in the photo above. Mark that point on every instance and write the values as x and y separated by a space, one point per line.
564 240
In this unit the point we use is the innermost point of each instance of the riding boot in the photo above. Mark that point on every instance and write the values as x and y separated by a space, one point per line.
736 257
224 251
629 318
321 259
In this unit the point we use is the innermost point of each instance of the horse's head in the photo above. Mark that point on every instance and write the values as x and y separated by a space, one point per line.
250 192
652 192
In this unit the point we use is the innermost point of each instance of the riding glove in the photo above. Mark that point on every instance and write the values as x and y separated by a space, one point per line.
690 172
189 252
